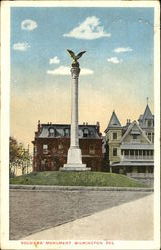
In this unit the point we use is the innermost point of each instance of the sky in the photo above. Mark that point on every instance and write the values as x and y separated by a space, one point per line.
116 70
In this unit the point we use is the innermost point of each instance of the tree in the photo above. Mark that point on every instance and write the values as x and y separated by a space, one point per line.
17 151
18 155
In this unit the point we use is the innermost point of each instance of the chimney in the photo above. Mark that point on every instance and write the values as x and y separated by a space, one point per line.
98 124
128 122
98 127
38 126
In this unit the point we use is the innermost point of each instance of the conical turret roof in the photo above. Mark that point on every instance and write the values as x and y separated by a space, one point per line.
114 122
147 113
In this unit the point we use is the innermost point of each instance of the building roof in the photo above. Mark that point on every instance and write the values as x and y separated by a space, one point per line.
63 130
147 114
134 131
114 122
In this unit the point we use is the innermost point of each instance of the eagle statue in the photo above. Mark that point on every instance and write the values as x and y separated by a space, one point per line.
75 57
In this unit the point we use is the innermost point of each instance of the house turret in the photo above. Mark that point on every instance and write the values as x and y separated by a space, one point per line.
113 136
146 122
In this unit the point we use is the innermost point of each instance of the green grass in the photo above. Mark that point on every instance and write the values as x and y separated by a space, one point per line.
76 179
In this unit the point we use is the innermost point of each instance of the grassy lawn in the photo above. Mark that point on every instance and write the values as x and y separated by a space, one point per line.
76 179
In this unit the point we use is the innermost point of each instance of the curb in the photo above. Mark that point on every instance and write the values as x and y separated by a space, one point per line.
78 188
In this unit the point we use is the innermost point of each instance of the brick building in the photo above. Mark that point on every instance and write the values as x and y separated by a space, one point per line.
52 141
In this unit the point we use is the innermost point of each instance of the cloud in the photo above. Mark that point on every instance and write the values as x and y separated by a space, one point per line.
89 29
114 60
121 50
64 70
21 46
28 25
54 60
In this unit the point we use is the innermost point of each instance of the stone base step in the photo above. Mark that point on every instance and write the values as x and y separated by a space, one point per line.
74 167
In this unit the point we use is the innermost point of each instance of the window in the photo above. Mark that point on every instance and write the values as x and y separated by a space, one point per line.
51 132
85 132
134 137
126 152
60 146
114 151
35 149
149 136
131 152
92 149
114 136
66 132
43 161
45 148
149 123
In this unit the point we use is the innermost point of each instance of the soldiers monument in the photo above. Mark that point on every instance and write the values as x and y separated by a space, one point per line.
74 158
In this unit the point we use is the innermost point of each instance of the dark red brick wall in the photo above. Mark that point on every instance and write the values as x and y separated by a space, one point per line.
56 156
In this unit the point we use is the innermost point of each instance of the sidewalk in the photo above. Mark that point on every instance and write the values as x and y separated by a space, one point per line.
79 188
129 221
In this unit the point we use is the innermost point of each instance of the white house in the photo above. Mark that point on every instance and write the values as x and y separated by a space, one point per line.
131 147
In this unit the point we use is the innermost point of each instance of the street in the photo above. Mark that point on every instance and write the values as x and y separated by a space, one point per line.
33 211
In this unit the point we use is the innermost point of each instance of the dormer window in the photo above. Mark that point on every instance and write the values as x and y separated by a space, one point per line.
66 132
51 131
85 132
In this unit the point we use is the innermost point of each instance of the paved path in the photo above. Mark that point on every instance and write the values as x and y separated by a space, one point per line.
33 211
129 221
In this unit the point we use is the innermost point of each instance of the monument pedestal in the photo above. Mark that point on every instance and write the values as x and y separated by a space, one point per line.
74 161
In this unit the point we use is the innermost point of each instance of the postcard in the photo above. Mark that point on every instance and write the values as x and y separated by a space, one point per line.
80 123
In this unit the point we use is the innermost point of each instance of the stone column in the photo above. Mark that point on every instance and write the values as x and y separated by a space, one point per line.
74 140
74 158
